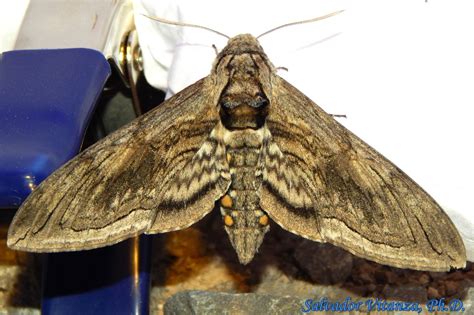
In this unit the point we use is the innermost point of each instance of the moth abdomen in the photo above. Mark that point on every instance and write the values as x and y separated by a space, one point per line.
244 220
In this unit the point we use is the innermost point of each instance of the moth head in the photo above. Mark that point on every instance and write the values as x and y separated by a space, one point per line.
243 43
246 230
244 73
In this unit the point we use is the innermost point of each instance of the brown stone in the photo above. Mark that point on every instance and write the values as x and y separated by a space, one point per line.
433 293
424 279
452 287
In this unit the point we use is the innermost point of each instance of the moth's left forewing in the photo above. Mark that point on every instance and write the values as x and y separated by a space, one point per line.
161 172
358 199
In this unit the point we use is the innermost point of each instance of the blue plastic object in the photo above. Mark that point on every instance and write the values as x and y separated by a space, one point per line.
111 280
47 98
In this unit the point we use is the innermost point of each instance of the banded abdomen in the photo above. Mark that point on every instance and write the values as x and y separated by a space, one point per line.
245 222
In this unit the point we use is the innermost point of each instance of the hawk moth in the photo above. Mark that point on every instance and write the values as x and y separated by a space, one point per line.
246 139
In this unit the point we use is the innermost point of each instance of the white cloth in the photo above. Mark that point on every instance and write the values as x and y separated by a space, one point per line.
402 71
11 17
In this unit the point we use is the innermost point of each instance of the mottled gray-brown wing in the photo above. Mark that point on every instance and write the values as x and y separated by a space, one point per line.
324 183
158 173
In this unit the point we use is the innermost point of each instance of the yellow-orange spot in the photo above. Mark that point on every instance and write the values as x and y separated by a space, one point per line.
226 201
263 220
229 157
228 220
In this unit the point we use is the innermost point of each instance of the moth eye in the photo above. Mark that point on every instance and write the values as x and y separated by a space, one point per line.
261 103
263 220
226 201
260 100
225 103
228 220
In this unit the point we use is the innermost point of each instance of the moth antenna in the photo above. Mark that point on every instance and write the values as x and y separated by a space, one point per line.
215 49
319 18
282 68
161 20
338 115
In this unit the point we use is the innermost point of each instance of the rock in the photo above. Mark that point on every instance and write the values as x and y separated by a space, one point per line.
441 289
433 293
437 275
451 287
405 293
20 311
324 263
19 287
371 287
456 276
424 279
205 302
365 277
468 301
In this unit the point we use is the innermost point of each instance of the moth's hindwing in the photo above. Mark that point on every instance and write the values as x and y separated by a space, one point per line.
194 186
286 193
121 186
324 183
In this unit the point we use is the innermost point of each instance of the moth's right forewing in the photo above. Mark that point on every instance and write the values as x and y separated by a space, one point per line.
360 200
113 190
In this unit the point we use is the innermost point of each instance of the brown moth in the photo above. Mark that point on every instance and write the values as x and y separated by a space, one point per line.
247 139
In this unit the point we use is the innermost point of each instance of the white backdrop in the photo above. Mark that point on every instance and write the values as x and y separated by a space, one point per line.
11 17
401 70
